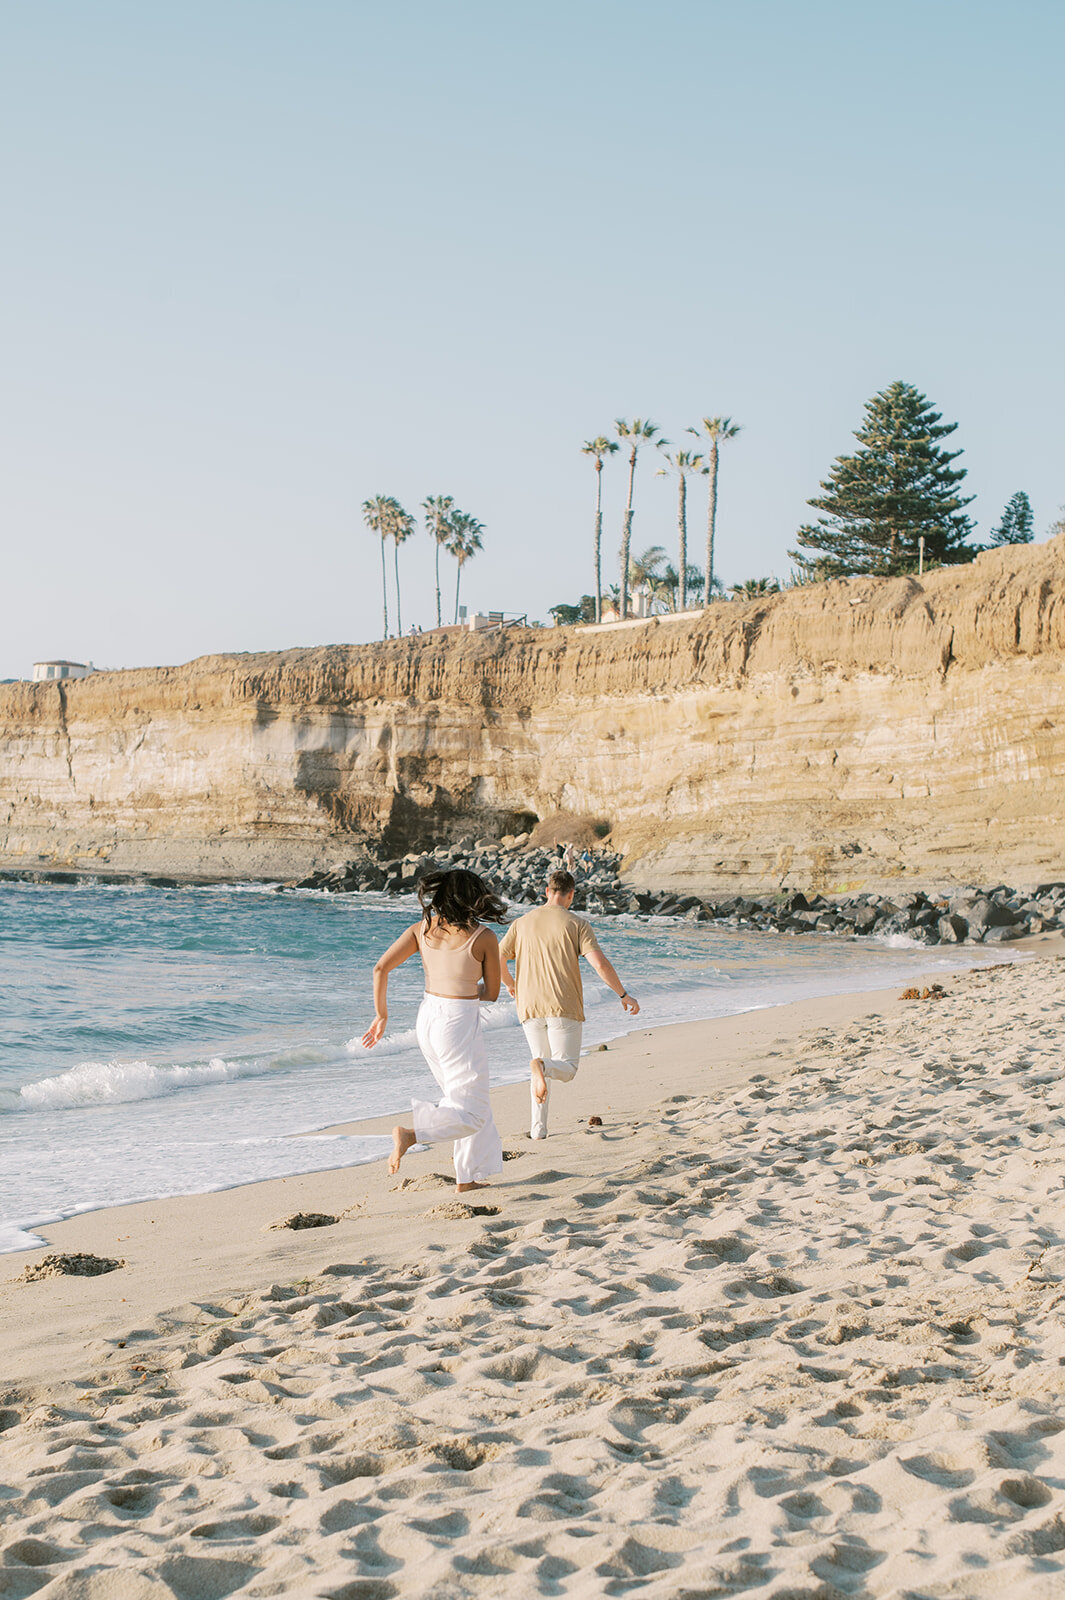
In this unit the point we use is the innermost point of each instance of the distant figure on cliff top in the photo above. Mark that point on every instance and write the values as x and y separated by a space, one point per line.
546 946
460 959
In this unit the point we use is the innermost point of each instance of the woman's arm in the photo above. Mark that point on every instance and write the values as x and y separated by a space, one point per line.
394 956
486 948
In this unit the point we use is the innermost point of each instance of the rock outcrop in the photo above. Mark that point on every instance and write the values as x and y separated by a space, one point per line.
846 735
520 871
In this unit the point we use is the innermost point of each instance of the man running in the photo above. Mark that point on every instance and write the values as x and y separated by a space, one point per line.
546 946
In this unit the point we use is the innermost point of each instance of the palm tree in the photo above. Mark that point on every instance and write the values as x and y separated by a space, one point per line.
663 582
634 433
438 509
753 588
645 571
378 518
716 429
600 447
401 526
683 462
693 579
464 542
664 586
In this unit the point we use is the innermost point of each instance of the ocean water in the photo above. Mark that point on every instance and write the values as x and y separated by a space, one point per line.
160 1042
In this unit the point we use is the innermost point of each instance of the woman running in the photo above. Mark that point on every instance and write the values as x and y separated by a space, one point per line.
460 959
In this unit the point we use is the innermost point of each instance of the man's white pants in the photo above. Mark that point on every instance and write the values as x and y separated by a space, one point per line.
557 1042
449 1034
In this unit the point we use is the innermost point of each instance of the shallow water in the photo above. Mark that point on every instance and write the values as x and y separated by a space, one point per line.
158 1042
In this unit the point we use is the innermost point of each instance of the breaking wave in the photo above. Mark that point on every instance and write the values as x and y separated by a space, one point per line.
110 1083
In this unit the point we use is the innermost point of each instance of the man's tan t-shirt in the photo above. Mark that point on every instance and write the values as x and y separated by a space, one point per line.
546 946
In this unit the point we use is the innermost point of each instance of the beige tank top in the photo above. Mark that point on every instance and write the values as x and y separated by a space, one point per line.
452 973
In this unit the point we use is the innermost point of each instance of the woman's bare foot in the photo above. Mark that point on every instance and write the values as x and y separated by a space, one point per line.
402 1139
463 1188
539 1082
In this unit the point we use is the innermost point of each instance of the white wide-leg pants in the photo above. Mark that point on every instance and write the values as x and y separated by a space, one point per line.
557 1043
449 1034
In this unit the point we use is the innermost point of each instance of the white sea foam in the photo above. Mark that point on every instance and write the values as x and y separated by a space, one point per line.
13 1236
104 1083
265 989
393 1044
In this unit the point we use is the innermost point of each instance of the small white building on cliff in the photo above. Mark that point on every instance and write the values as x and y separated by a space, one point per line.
49 671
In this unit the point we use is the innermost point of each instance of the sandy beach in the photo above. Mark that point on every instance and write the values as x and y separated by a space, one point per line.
788 1322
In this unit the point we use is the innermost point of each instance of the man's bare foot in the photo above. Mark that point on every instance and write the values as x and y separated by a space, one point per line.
402 1139
462 1188
539 1082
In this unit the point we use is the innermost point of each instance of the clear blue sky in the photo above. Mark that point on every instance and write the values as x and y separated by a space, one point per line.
265 258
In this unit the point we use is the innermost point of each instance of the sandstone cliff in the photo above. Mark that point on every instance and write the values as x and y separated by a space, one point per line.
841 734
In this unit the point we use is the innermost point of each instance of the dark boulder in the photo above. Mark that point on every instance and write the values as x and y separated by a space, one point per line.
990 913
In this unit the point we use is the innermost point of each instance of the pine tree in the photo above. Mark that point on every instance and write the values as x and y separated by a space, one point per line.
1016 524
898 487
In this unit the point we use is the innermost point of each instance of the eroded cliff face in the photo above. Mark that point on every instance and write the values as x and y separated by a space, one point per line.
839 735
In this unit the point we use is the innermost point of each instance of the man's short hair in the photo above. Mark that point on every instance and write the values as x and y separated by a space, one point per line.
561 882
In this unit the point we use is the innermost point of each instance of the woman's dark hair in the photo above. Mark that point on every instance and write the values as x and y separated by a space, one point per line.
459 898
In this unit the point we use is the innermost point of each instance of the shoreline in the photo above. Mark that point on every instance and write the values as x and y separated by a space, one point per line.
930 917
788 1317
378 1123
215 1242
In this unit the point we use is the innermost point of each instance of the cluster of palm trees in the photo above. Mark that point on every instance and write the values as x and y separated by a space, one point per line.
661 581
684 464
451 529
655 574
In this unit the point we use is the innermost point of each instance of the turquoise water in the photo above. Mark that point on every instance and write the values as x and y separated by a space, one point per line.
157 1042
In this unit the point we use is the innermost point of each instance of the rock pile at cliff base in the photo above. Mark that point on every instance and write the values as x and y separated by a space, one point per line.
972 915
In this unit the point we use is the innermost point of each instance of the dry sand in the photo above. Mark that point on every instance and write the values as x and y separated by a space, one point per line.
789 1324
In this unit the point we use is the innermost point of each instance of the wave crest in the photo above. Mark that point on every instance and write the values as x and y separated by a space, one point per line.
109 1083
